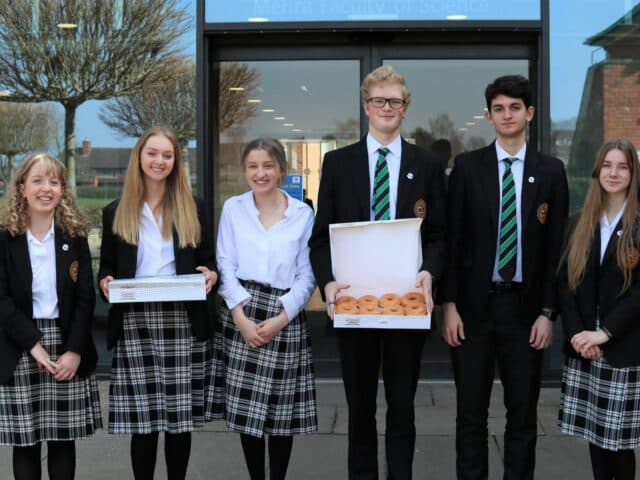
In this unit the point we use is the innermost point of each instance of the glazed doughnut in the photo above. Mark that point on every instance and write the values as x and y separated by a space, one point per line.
368 301
412 297
415 309
348 308
393 310
370 309
389 299
345 299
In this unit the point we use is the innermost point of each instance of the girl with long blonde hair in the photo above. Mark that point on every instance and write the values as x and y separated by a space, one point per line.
48 392
599 299
157 228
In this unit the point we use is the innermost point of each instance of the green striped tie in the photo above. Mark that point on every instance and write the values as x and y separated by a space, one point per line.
508 245
380 201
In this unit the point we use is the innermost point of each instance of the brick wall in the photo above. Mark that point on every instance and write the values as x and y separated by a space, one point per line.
621 100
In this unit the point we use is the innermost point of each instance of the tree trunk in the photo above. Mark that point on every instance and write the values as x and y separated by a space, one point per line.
9 166
70 145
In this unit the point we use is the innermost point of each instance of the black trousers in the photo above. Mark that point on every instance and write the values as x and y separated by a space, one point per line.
361 354
502 338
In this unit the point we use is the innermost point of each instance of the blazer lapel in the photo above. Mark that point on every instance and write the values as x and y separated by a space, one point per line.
360 177
530 182
488 175
407 174
63 252
610 252
20 253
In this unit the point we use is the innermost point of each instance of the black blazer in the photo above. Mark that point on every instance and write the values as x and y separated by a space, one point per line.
344 196
599 294
119 258
76 300
472 232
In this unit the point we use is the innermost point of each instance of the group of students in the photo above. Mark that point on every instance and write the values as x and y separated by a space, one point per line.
498 248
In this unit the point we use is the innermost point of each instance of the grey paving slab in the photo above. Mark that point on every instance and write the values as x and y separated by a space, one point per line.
216 453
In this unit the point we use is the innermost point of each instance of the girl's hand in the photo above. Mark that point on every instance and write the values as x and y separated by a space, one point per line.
104 285
42 358
210 277
269 328
249 332
586 339
594 353
68 364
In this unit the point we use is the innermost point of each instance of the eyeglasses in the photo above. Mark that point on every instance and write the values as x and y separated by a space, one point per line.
380 102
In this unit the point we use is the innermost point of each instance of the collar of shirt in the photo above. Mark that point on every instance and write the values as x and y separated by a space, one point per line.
148 214
502 153
604 221
249 202
32 239
395 147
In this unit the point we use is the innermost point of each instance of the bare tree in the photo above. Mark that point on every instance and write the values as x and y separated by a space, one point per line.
71 51
238 82
171 105
24 128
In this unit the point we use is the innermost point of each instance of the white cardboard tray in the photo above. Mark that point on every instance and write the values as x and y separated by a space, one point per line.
377 258
172 288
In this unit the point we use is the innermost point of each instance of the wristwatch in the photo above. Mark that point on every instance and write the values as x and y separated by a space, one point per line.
550 314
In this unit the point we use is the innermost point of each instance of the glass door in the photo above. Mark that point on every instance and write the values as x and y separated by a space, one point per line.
309 99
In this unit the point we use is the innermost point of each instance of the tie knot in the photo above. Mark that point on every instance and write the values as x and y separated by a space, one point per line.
383 151
509 161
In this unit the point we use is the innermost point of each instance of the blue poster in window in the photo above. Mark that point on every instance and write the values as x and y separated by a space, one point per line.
293 185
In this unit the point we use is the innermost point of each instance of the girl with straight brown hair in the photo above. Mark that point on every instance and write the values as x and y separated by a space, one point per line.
599 298
162 360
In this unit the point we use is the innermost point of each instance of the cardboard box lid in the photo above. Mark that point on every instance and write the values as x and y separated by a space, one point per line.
376 257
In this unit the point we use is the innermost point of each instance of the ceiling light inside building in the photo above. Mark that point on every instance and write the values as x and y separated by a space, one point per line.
236 89
456 17
279 118
254 100
67 25
268 110
257 19
288 124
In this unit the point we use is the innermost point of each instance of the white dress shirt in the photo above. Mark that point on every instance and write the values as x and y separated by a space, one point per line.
155 254
606 230
393 162
277 256
42 255
517 169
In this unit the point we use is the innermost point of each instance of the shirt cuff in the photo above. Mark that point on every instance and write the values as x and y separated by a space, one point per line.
290 306
236 297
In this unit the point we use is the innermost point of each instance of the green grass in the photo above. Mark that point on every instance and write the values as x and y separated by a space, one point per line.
91 202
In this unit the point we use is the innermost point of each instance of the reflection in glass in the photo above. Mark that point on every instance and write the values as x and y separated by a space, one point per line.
255 11
446 114
310 106
595 82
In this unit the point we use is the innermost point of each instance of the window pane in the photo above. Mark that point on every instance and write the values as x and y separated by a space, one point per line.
595 82
338 10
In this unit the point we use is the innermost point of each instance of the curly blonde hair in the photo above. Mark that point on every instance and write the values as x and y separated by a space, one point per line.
14 215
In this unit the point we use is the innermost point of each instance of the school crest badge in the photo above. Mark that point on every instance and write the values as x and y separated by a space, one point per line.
420 208
634 258
543 212
73 271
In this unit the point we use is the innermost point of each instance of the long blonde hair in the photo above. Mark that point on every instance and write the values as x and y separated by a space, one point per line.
14 216
177 206
581 241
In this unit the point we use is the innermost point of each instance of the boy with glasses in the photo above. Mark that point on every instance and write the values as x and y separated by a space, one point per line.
382 177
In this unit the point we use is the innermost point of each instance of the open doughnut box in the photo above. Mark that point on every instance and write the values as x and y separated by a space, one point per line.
376 258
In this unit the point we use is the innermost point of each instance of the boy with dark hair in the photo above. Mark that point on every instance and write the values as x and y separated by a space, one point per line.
507 209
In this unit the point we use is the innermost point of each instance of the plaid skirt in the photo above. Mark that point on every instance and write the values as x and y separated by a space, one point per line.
600 403
35 407
159 372
267 390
